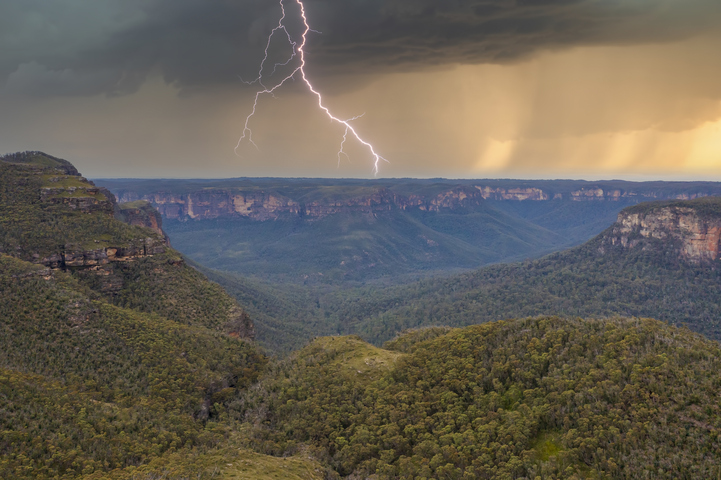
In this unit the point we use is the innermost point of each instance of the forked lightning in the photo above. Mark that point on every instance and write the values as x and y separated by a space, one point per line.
299 52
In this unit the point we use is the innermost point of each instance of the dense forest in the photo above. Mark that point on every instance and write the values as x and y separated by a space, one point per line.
120 360
120 378
542 397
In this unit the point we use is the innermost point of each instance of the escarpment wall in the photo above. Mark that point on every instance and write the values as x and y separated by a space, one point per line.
263 200
271 206
696 235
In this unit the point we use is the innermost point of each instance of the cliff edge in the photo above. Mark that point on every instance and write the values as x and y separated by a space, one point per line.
52 216
691 228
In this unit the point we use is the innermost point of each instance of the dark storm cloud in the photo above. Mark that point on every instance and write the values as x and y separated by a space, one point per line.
75 47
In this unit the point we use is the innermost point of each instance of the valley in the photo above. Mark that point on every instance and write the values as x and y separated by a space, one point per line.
345 232
622 261
360 240
122 358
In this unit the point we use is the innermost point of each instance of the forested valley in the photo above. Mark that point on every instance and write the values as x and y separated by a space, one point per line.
120 359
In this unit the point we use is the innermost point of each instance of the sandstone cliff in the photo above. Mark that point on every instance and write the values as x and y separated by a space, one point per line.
265 205
265 199
691 228
595 193
141 214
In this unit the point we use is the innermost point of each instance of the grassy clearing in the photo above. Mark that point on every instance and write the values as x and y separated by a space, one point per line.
63 181
355 357
547 445
255 466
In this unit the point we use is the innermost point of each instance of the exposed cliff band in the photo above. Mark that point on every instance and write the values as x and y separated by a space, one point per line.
692 228
51 216
258 203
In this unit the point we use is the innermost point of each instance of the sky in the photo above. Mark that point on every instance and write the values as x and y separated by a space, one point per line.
446 88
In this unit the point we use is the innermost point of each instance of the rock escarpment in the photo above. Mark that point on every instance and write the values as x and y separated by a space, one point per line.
271 199
51 216
70 213
518 194
265 205
141 214
74 256
691 228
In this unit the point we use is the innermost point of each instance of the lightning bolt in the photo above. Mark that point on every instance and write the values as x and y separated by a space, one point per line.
298 50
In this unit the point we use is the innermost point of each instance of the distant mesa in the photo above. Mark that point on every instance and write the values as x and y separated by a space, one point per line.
265 204
270 199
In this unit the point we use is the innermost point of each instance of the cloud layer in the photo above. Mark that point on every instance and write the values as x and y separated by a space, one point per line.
75 47
453 88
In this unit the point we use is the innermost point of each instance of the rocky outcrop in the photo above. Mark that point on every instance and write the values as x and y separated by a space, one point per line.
692 228
240 325
141 214
518 194
87 199
75 257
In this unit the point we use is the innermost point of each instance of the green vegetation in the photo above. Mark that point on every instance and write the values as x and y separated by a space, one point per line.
579 282
42 160
100 382
706 207
89 387
536 398
32 226
355 247
133 365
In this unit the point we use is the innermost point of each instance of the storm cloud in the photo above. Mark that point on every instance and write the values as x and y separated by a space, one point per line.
75 47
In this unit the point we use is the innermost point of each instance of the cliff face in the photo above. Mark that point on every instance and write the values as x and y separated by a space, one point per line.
257 202
74 256
141 214
580 195
590 194
214 204
693 228
518 194
261 205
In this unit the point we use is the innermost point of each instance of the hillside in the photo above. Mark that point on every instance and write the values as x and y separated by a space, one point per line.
120 361
342 231
116 358
658 260
671 274
535 398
